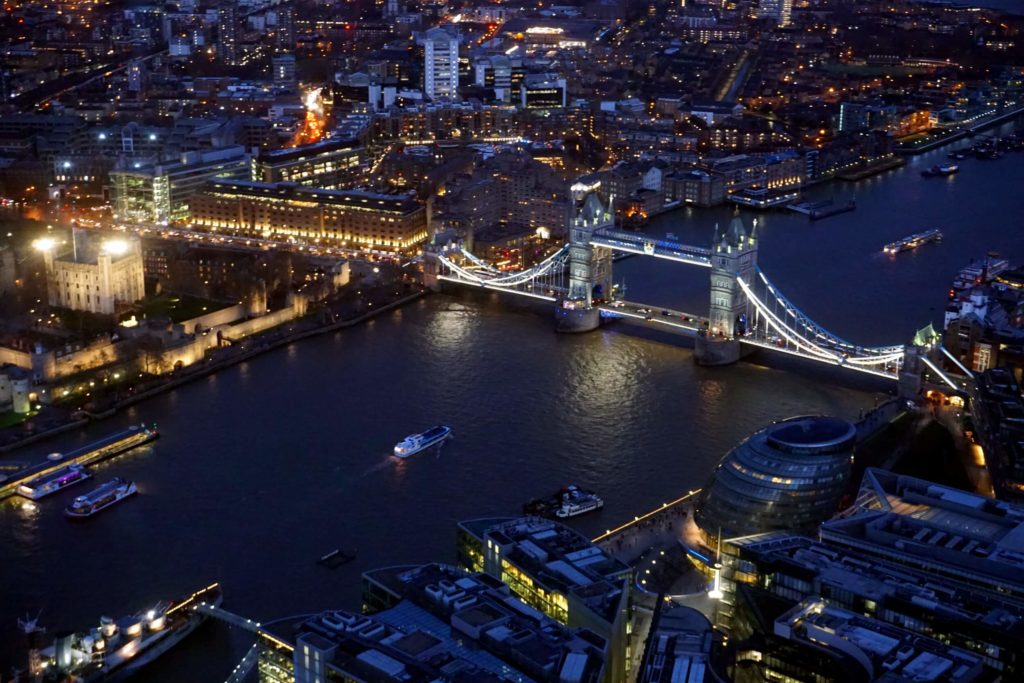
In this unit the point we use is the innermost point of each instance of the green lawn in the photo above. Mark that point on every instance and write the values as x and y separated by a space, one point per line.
10 418
179 307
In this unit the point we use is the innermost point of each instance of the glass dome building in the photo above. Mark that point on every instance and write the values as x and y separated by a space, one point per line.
788 476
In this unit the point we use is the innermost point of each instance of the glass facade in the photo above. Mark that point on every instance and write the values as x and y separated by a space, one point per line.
789 476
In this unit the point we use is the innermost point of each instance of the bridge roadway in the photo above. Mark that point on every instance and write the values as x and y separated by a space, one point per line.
639 243
652 316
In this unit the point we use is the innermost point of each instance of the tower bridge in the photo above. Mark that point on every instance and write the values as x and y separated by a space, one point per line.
746 311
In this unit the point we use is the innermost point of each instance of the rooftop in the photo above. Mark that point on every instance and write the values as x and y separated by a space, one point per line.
961 535
287 154
887 585
558 557
886 652
356 199
488 620
678 647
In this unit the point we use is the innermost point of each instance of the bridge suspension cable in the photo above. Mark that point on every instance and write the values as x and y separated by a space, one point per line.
810 340
819 332
492 278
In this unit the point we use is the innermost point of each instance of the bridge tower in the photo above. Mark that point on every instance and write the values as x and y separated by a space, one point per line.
734 255
590 267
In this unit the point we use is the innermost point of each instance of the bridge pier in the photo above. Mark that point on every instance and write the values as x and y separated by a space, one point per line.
574 320
711 351
431 269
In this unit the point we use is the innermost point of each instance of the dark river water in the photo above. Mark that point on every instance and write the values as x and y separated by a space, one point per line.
268 465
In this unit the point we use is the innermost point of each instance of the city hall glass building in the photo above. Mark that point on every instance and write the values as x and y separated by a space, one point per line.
789 476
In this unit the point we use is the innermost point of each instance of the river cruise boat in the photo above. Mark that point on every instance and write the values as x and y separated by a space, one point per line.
569 502
63 477
940 171
913 241
414 443
101 497
22 480
117 649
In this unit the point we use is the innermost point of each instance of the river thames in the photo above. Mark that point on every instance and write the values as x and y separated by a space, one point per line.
264 467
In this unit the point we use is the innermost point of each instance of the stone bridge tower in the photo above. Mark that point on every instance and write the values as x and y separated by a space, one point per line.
590 267
734 255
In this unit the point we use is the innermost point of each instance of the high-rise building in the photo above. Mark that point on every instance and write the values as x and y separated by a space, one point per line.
136 74
440 65
779 10
227 33
284 34
283 67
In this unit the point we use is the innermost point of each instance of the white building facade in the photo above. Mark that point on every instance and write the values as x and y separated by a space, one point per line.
116 276
440 65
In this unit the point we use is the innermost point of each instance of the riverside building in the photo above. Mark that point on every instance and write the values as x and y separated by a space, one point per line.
346 218
430 623
790 475
557 571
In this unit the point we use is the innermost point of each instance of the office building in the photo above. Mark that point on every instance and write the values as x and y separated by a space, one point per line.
959 537
859 649
352 219
542 91
680 647
333 164
430 623
159 193
440 65
557 571
789 568
95 279
777 10
790 475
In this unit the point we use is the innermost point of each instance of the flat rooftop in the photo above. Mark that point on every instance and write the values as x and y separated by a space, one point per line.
558 557
352 199
969 535
481 611
879 647
885 583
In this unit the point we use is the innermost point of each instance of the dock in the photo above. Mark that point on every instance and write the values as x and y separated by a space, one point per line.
823 209
104 449
764 199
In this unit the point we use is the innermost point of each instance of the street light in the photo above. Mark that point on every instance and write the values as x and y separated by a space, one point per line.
44 244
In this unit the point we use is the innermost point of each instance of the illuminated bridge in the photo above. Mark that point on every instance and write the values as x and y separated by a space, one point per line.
746 310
